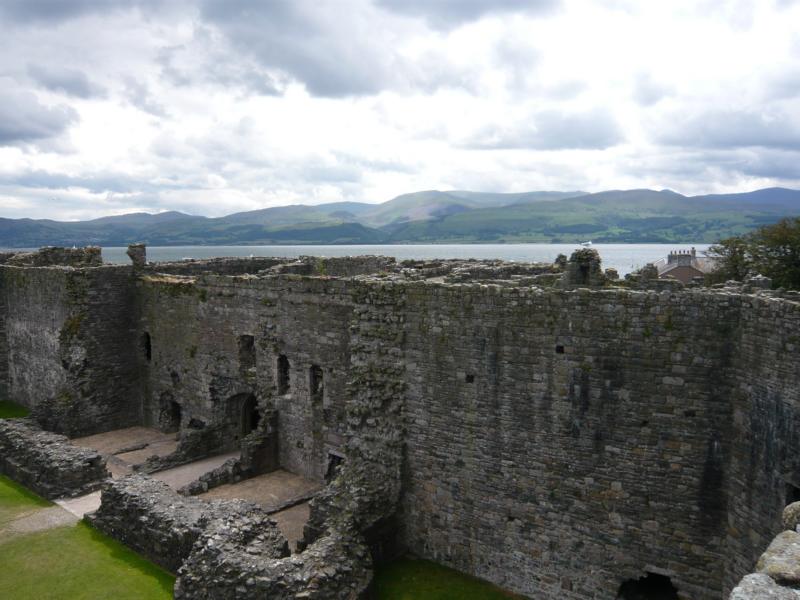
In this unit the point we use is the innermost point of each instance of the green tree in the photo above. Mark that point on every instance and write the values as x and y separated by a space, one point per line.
772 250
776 252
733 259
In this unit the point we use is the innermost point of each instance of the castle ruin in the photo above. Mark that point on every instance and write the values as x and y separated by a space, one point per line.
543 427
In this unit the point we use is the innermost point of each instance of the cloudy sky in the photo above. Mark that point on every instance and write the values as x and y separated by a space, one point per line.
217 106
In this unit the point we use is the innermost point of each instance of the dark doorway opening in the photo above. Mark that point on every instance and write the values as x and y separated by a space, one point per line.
792 494
147 347
650 587
335 463
169 418
250 415
174 417
283 375
247 352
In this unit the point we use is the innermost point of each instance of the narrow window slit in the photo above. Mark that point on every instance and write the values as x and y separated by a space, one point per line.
283 375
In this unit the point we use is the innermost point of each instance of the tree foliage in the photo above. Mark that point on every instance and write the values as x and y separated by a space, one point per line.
772 251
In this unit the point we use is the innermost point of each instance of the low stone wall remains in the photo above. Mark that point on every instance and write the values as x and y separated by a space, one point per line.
236 561
48 463
151 518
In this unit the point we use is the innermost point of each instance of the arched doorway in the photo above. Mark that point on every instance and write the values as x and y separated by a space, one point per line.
250 416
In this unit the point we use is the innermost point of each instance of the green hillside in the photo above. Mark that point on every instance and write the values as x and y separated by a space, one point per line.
437 217
624 216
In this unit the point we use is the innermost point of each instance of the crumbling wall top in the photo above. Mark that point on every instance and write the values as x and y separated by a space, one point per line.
584 269
138 255
54 256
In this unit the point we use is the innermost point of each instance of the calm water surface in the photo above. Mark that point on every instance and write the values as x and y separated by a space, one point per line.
623 257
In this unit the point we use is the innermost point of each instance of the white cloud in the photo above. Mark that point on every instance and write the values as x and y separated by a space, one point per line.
215 107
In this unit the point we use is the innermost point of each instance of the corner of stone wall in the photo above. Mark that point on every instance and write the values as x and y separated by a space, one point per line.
97 353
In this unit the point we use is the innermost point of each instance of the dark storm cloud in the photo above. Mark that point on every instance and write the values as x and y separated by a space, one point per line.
23 119
55 11
731 129
65 80
326 47
450 13
553 130
336 49
50 11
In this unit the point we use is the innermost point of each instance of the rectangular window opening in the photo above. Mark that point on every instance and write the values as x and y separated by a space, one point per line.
247 352
147 347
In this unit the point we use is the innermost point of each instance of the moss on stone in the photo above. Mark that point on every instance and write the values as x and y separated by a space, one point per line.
71 327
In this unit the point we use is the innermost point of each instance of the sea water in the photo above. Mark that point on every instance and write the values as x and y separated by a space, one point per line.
622 257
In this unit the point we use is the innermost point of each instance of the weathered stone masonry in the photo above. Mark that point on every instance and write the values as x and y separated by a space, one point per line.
554 441
46 462
69 337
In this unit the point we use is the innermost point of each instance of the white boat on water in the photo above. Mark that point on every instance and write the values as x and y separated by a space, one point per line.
587 244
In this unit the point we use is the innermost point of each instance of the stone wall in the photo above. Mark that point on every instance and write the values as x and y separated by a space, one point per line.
151 518
220 266
4 358
46 462
50 256
560 443
232 560
240 327
336 564
70 346
765 466
554 441
37 308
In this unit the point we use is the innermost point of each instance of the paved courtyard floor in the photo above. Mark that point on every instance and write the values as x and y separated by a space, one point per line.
284 495
124 448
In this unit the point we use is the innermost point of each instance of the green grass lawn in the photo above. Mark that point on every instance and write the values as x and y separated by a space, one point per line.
70 563
80 563
16 500
9 410
409 579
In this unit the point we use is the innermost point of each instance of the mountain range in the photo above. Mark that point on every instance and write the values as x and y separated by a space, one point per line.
618 216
